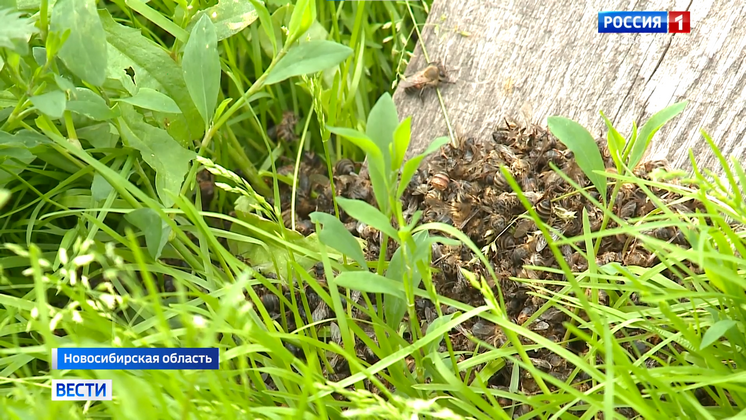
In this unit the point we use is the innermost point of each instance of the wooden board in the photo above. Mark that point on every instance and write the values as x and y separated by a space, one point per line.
547 57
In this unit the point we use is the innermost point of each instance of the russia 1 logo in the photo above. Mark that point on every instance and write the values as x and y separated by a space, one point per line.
679 23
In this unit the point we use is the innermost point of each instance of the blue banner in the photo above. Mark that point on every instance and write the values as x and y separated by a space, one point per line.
633 22
117 358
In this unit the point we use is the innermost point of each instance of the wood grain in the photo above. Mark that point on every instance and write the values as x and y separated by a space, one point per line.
545 58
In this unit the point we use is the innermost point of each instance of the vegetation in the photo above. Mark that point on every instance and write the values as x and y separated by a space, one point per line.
109 111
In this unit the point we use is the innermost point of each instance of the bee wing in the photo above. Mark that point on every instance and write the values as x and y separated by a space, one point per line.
416 81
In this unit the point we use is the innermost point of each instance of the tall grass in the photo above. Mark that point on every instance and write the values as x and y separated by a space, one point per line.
77 270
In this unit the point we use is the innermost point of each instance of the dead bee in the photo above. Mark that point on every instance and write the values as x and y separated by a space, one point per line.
440 181
520 253
285 130
525 314
429 77
206 183
489 332
529 183
498 180
505 132
367 232
520 168
643 170
506 154
509 204
639 258
544 209
523 227
505 242
271 303
608 258
551 180
344 167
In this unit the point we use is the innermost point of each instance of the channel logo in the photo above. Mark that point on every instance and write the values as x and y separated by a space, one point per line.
644 23
82 390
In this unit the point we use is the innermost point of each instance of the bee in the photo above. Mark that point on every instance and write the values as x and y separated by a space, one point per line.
529 183
508 203
304 227
206 183
440 181
506 154
544 209
644 169
523 227
285 130
639 258
503 133
525 314
429 77
551 180
497 179
367 232
607 258
520 167
628 210
489 332
344 167
271 303
505 242
520 253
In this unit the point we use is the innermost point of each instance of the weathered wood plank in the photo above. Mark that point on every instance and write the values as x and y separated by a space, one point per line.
548 57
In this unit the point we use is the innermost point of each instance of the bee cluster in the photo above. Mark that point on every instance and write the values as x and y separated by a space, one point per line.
463 186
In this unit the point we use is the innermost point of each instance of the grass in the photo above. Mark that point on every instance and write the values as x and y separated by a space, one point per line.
88 232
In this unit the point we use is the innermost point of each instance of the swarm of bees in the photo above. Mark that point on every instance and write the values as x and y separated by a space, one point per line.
463 186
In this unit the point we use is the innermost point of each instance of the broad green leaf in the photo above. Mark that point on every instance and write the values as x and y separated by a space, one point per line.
84 52
169 160
229 17
583 147
307 58
40 55
264 254
201 67
410 166
280 18
402 136
100 187
301 20
153 68
375 162
51 104
63 83
14 28
648 130
371 216
7 99
368 282
716 331
4 197
615 143
13 160
84 102
152 99
380 127
100 136
155 230
433 346
16 152
395 308
335 235
265 21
